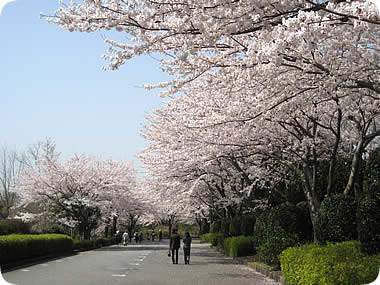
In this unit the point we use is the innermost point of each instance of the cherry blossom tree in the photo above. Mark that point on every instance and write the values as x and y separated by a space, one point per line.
79 189
264 83
198 36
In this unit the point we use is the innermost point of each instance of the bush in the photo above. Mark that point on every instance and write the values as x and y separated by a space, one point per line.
270 250
8 227
84 244
240 246
91 244
289 218
336 219
340 264
17 247
368 224
211 238
227 245
285 217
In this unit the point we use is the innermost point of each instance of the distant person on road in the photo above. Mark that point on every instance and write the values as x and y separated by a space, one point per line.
141 237
118 237
136 235
160 235
125 238
186 247
175 244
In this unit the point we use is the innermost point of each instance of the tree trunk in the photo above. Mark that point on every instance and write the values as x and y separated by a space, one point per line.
331 174
311 197
355 167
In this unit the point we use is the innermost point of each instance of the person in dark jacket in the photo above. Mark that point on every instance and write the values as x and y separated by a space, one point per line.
186 247
175 244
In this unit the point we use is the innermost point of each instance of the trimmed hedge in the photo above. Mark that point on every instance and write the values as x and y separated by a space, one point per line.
17 247
239 246
368 224
13 226
211 238
286 218
334 264
91 244
336 219
270 250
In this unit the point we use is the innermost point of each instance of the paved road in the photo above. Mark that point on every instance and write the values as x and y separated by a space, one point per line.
143 264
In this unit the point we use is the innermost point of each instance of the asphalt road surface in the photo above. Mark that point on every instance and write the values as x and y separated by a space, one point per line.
146 263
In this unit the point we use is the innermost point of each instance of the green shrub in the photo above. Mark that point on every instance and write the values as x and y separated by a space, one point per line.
84 244
334 264
368 224
206 237
289 218
14 226
227 245
16 247
241 246
270 250
91 244
336 219
211 238
106 241
285 217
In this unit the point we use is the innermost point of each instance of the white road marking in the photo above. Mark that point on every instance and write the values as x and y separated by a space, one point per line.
119 275
25 270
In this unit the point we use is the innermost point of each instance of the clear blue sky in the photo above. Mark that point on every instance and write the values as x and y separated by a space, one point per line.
52 85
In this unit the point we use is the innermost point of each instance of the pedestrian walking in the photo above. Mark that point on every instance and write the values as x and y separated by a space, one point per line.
136 235
187 247
160 235
125 238
118 237
175 244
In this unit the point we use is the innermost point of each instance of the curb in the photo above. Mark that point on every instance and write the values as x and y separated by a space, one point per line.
254 263
272 274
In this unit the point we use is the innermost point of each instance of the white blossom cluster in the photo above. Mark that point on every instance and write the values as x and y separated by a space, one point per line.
257 83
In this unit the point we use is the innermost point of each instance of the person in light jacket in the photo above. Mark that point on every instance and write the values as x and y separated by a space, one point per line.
186 247
125 238
175 244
